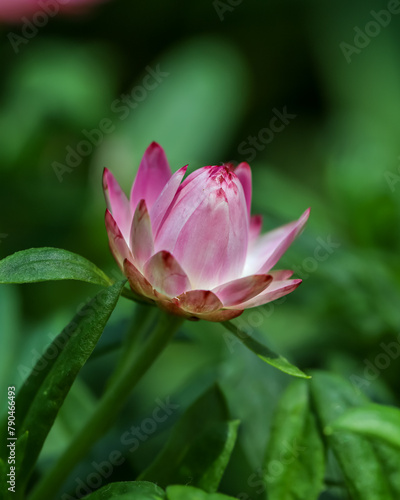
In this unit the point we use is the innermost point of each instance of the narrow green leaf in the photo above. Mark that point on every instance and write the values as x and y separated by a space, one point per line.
190 493
48 264
375 421
263 352
135 490
294 465
363 468
41 399
77 407
10 339
199 448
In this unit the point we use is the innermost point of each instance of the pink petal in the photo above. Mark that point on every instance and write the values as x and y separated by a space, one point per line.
160 208
117 242
166 275
281 275
117 203
199 302
269 248
242 289
207 227
255 228
221 315
16 11
275 290
243 171
137 281
142 244
151 178
172 306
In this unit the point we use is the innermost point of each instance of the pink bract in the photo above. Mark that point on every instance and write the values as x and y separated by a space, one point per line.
193 247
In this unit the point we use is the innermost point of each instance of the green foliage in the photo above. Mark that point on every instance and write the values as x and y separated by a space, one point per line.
143 490
373 421
363 463
48 264
294 466
191 493
43 393
138 490
199 447
264 353
226 73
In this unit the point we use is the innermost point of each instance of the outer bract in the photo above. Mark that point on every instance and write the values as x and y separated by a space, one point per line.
192 246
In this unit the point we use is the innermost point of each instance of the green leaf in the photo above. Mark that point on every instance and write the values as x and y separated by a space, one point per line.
135 490
48 264
191 493
375 421
77 407
10 339
294 466
46 389
363 467
200 446
263 352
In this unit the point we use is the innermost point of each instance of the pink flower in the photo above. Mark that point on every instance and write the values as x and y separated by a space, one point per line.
13 10
192 246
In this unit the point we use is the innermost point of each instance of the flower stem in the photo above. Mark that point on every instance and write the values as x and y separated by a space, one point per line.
134 366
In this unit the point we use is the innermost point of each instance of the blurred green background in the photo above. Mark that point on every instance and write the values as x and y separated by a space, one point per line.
218 74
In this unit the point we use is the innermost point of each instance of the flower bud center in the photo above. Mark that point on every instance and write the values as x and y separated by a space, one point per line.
224 178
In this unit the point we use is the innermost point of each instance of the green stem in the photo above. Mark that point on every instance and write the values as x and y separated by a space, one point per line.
143 319
108 407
